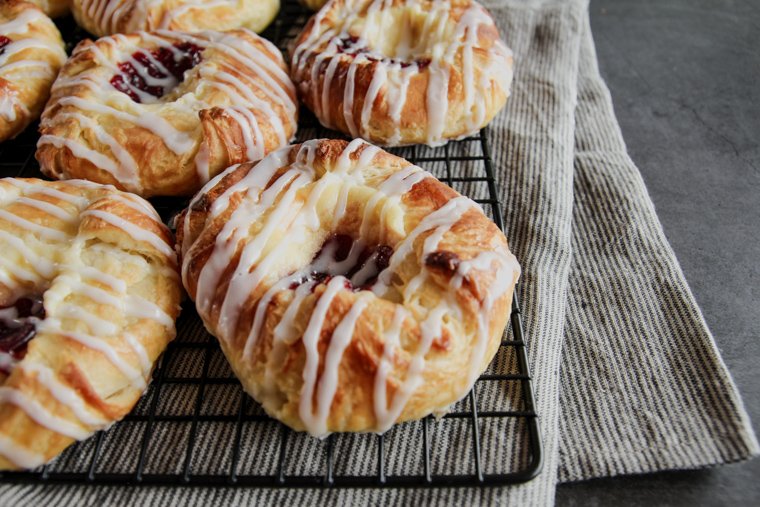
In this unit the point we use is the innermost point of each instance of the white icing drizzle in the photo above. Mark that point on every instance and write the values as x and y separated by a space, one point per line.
54 326
234 228
313 422
21 456
20 45
65 395
505 274
79 150
177 141
138 204
44 267
142 355
124 169
244 279
9 103
398 184
96 324
242 99
186 225
385 415
40 230
136 232
41 415
78 201
447 43
328 383
258 316
46 207
131 304
445 216
114 283
20 24
18 272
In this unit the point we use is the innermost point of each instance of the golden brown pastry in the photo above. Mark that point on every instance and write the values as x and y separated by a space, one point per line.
314 5
348 288
160 113
106 17
31 52
88 297
53 8
404 71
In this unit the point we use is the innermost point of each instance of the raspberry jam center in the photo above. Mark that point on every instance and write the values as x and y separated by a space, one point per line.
351 46
4 41
341 255
17 327
146 76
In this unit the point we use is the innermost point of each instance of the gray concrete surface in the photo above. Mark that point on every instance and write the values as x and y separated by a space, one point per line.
685 80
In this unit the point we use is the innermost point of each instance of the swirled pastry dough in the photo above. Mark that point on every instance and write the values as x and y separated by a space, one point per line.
348 288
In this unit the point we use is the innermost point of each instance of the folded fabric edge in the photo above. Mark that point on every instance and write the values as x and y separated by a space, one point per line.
704 423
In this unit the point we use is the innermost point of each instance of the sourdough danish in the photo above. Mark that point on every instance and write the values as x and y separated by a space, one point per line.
31 52
348 288
160 113
106 17
402 71
89 293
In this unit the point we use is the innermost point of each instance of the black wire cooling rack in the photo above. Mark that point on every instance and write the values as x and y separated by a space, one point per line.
196 426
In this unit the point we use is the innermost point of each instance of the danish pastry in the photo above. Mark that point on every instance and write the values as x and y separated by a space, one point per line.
106 17
160 113
348 288
402 71
31 52
89 292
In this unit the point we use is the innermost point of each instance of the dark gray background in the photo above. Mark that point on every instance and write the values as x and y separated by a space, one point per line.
685 80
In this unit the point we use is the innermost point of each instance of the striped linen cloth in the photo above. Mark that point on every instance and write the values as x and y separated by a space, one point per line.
627 376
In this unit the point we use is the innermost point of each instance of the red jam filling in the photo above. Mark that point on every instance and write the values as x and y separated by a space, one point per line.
351 47
17 327
4 41
340 255
173 64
